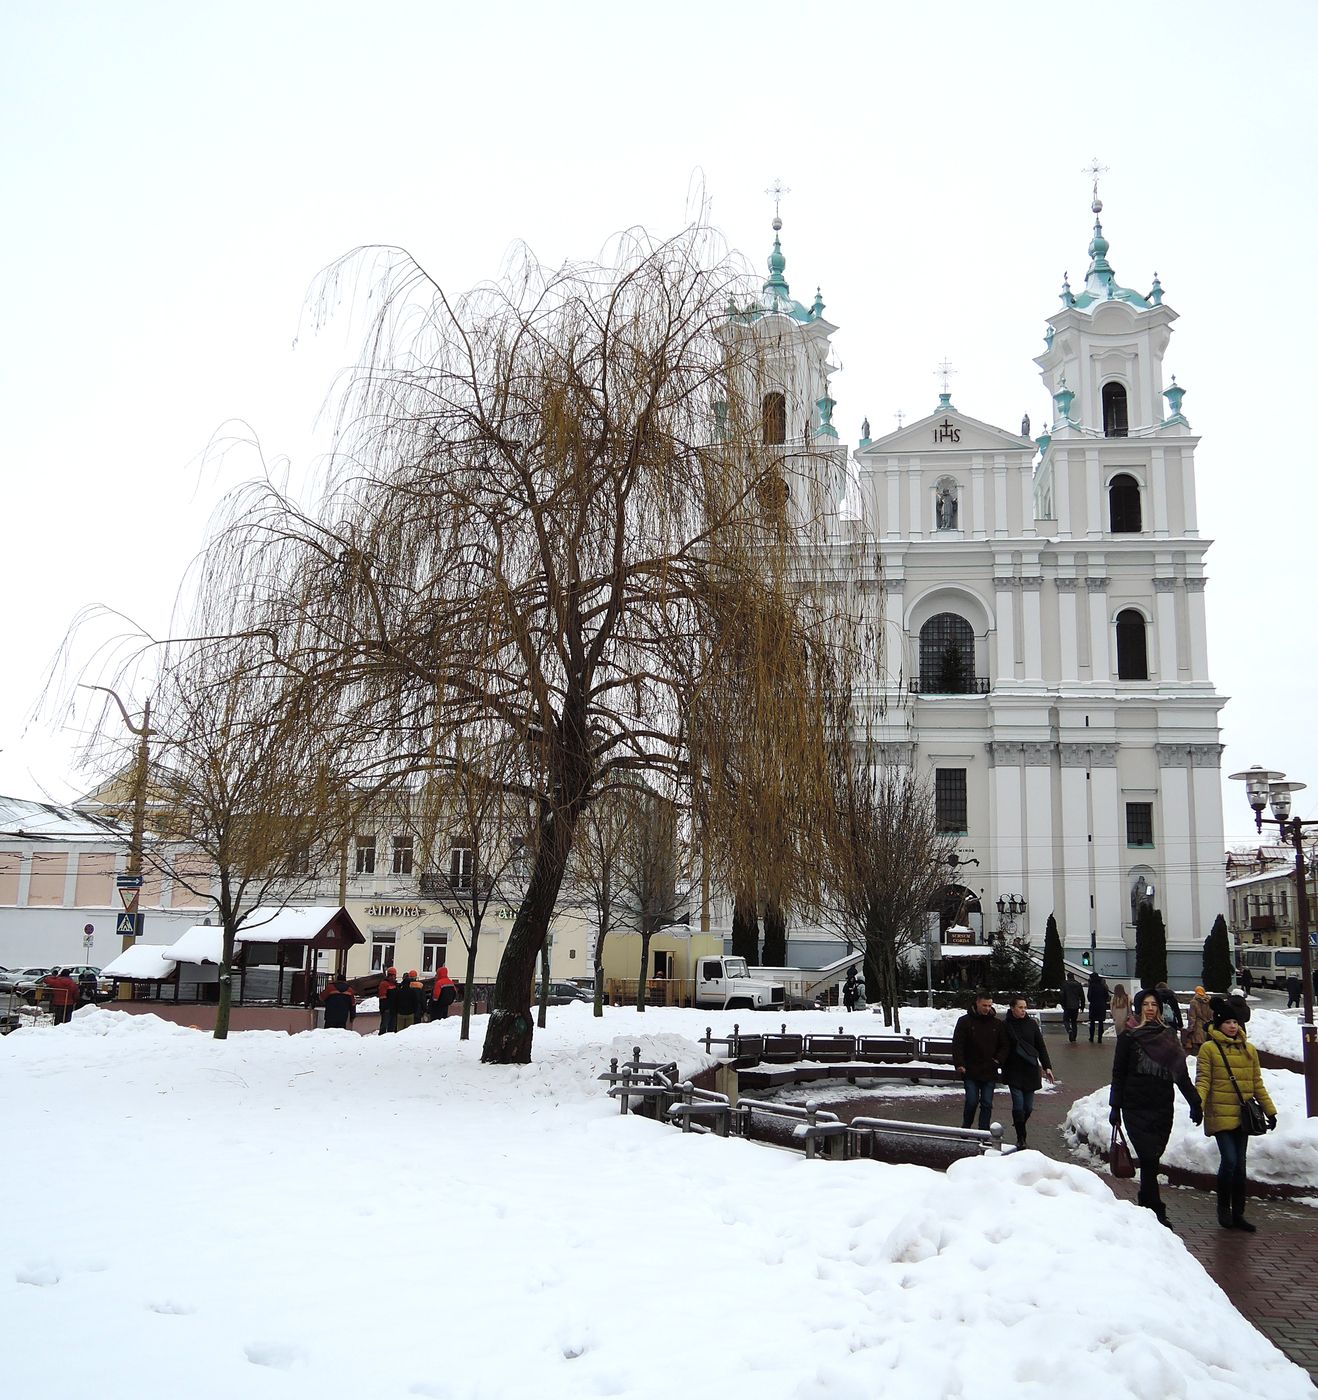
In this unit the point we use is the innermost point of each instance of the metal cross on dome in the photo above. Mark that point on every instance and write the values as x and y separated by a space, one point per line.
945 371
777 191
1094 170
899 416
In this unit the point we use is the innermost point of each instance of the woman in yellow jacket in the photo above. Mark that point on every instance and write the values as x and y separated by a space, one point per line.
1225 1055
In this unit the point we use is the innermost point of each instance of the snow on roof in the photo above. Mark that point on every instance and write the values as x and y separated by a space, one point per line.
143 962
45 821
202 943
1278 872
967 950
294 924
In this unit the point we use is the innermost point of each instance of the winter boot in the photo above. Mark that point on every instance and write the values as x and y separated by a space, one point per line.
1160 1211
1224 1211
1018 1122
1238 1220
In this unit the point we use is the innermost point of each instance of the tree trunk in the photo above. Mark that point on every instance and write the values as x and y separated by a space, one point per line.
469 985
745 930
542 1011
511 1029
226 986
599 975
646 936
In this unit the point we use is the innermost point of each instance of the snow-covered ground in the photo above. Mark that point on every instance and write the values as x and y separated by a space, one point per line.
329 1215
1289 1155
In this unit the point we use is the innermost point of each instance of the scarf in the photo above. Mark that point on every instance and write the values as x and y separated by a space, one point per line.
1159 1044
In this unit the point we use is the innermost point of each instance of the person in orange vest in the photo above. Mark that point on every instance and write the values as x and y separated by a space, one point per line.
407 1001
63 994
388 986
443 994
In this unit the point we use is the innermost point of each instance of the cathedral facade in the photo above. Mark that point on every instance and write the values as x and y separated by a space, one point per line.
1043 619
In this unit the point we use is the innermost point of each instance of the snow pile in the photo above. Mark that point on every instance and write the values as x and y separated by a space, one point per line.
331 1215
1276 1032
1287 1156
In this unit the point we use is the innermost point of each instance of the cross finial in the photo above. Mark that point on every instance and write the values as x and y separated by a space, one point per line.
1094 170
899 416
776 192
945 371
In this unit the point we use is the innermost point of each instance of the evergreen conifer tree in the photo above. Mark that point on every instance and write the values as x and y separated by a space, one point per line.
1053 972
775 935
1218 972
1150 947
745 932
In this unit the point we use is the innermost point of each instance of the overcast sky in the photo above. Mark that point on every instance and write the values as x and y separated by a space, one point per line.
175 176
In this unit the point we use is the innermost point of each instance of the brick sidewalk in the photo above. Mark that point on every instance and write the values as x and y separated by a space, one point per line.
1269 1276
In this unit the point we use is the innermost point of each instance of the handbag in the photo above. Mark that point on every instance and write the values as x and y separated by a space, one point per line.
1253 1118
1119 1158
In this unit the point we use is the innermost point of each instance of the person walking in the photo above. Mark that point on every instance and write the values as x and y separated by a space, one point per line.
1198 1018
388 986
1147 1069
1170 1007
979 1050
340 1004
1073 1003
443 994
63 992
1228 1074
407 1001
1098 1003
1246 980
1120 1008
850 989
1027 1064
1294 990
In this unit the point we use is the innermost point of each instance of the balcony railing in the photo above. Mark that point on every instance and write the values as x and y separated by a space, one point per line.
967 685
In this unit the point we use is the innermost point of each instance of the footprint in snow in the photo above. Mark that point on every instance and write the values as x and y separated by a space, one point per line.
40 1275
279 1356
170 1308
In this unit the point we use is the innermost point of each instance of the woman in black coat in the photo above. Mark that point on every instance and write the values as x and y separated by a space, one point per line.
1027 1064
1148 1068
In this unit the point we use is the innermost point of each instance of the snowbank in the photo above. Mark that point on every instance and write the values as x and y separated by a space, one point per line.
1277 1032
331 1215
1288 1156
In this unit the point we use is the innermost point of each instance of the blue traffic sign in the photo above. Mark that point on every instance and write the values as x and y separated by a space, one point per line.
129 925
128 882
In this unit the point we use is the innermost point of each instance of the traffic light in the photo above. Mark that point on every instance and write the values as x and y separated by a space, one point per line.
1086 959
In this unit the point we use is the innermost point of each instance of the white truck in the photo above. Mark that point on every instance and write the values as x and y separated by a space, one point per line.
727 983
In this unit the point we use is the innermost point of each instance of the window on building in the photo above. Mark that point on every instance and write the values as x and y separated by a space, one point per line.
299 861
365 855
1114 410
1285 914
663 964
773 412
1132 646
434 952
950 799
1123 498
460 861
947 656
382 951
402 855
1139 823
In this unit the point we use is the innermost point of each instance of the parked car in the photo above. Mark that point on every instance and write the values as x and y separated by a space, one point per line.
9 981
561 993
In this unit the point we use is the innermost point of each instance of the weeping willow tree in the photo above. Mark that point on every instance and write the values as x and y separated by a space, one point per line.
552 522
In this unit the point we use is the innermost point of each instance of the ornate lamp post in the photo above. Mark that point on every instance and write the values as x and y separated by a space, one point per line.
1010 908
1266 788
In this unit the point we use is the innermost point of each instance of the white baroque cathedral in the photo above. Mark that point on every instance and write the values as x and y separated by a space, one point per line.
1045 656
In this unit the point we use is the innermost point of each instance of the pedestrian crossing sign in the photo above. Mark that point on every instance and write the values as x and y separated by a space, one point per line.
127 926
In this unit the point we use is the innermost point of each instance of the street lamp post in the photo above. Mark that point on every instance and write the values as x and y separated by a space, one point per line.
1266 788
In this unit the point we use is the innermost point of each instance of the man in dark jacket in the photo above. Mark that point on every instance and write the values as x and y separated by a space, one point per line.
1170 1006
1294 990
1073 1003
979 1050
340 1004
407 1001
388 986
1098 1002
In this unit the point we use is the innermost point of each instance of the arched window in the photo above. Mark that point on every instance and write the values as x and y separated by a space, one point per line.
1132 646
1114 409
947 656
773 413
1123 499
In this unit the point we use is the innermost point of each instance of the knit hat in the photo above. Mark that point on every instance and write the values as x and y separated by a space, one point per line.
1138 1000
1199 992
1228 1009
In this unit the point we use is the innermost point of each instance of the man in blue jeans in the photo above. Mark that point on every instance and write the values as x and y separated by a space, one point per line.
979 1050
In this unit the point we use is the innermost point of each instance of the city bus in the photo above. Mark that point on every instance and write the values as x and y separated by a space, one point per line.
1270 967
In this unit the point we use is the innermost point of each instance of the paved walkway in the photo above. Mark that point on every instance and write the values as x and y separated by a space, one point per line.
1269 1276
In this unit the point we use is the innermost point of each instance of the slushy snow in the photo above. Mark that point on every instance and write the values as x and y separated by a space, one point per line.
327 1215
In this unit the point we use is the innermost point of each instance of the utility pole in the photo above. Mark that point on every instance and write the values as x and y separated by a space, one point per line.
140 772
